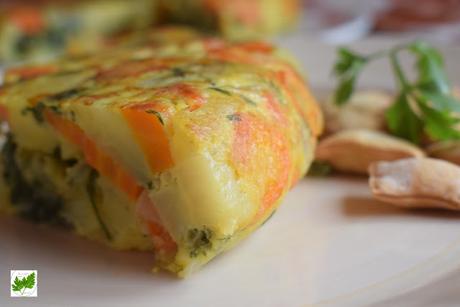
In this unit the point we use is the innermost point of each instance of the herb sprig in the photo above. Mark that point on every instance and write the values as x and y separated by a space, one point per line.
423 106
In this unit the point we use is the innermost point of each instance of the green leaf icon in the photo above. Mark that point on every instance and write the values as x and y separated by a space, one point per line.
20 285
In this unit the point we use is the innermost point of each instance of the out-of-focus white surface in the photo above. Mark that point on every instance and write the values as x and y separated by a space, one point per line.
329 244
337 22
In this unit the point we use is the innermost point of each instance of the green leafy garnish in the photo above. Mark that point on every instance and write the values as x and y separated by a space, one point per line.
423 106
20 285
347 68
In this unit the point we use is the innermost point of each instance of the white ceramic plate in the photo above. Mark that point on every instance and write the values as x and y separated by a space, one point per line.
329 244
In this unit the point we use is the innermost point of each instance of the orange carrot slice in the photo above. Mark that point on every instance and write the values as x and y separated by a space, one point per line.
150 135
95 156
166 243
150 216
100 160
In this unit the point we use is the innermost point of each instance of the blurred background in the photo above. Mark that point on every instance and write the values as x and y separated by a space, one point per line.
40 29
342 21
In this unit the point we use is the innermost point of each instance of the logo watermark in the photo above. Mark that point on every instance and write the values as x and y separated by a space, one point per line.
24 283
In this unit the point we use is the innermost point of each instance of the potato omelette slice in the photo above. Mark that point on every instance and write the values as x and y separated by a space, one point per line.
180 147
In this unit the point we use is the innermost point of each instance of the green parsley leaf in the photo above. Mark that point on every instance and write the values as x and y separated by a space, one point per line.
347 69
402 121
439 125
344 90
425 106
442 102
430 68
346 61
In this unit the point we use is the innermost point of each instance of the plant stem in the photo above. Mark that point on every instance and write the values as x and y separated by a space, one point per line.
400 77
385 53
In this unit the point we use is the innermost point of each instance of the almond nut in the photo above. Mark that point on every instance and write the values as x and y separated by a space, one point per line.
416 183
365 110
354 150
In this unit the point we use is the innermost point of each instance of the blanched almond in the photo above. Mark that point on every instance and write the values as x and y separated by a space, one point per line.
417 183
365 110
446 150
354 150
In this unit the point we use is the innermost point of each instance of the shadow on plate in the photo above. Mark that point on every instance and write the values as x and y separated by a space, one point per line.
64 250
359 206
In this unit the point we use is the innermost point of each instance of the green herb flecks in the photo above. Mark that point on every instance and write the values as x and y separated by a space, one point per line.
73 116
199 241
65 94
94 197
20 285
157 114
425 105
248 100
56 37
234 117
32 200
36 111
51 103
221 90
319 169
178 72
24 44
278 92
150 185
57 154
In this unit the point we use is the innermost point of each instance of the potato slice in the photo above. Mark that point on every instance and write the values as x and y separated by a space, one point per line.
416 183
365 110
354 150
